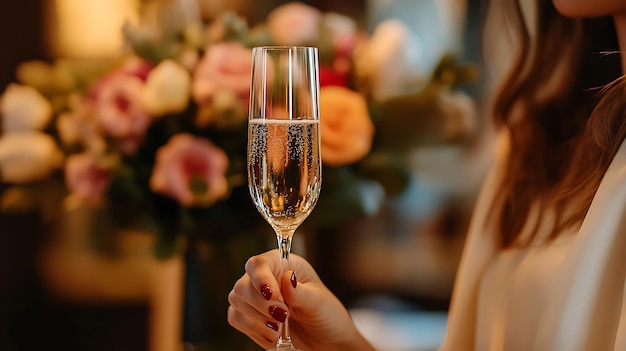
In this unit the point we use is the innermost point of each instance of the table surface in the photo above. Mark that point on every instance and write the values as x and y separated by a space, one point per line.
399 330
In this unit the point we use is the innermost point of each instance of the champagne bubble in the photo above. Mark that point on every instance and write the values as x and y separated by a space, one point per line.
284 168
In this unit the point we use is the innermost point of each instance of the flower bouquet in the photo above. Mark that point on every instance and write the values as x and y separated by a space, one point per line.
156 137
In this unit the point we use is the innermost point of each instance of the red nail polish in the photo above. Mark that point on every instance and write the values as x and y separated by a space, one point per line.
294 280
267 292
272 325
278 313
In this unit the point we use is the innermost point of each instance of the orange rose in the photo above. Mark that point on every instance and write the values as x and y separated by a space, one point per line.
346 128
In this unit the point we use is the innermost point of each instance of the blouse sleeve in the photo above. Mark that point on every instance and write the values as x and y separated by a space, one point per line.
478 251
620 338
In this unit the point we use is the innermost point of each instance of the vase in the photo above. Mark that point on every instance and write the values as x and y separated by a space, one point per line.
211 269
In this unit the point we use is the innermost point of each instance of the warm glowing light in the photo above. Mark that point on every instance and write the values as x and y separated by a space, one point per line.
89 28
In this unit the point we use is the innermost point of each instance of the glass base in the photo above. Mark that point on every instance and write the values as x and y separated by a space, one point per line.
284 348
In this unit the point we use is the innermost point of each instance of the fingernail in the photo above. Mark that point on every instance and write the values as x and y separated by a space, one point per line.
267 292
272 325
278 313
294 280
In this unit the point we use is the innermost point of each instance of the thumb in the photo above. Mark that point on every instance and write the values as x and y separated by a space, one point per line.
312 305
300 296
316 312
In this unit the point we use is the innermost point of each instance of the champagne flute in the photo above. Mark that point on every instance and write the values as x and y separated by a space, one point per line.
284 166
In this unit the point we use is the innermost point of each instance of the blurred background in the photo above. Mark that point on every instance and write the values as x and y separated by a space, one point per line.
386 235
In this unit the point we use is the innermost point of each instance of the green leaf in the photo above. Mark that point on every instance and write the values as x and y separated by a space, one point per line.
236 27
449 72
150 47
125 195
345 195
390 170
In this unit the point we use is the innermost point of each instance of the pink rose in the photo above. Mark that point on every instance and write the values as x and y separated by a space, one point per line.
224 66
86 177
329 76
191 170
134 67
119 109
345 125
343 35
120 112
294 23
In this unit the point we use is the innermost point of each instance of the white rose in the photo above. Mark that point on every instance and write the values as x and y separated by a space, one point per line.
24 108
28 156
294 23
459 111
167 89
390 60
343 31
339 24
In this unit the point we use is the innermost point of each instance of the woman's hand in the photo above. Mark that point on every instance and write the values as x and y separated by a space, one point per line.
317 319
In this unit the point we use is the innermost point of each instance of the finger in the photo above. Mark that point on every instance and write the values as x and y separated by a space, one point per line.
245 295
265 335
262 271
245 298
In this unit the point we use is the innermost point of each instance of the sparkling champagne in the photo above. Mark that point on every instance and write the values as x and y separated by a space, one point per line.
284 170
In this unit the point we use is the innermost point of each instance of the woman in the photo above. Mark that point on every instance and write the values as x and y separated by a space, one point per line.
544 262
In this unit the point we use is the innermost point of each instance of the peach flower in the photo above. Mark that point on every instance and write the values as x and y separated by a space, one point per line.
223 66
294 23
345 125
86 177
191 170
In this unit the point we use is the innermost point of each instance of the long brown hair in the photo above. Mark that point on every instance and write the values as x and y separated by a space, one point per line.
563 135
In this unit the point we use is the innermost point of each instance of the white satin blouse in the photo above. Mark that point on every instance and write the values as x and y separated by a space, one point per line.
567 296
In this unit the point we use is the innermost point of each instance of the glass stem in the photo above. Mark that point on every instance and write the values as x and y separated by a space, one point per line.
284 245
